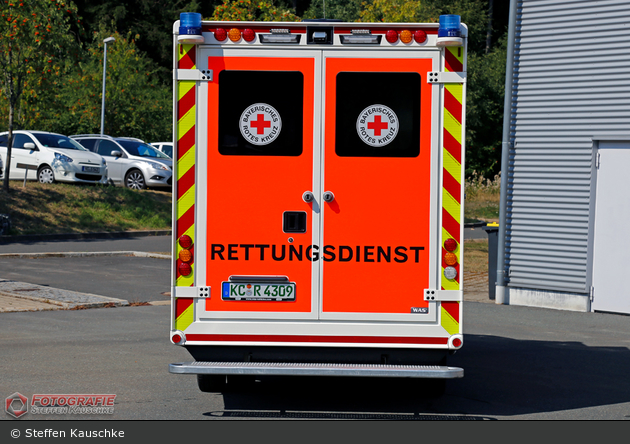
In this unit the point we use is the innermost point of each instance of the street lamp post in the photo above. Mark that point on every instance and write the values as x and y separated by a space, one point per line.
106 41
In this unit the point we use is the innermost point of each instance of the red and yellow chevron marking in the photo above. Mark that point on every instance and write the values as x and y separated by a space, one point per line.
452 146
184 313
186 153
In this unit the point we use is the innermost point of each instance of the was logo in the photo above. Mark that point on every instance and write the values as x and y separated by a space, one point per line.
16 405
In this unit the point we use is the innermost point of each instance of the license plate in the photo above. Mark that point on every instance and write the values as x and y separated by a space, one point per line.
238 291
91 169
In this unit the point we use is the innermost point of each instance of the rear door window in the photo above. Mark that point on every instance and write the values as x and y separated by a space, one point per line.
260 113
378 114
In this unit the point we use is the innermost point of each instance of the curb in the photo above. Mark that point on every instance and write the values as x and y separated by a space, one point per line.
71 236
86 254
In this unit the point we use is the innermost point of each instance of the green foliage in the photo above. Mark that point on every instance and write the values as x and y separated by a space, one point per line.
346 10
137 103
484 110
248 10
152 20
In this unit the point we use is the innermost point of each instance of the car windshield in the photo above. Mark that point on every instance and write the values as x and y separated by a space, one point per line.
58 141
141 149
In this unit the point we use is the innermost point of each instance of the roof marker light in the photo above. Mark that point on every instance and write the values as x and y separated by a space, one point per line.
420 36
220 34
391 36
234 34
190 28
249 35
449 32
406 36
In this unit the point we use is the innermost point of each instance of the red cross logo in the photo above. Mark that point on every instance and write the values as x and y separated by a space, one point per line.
377 125
260 124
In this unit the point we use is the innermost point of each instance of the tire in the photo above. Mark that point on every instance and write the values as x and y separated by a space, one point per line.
135 180
45 175
211 383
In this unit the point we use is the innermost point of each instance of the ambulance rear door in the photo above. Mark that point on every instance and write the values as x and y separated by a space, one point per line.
379 217
262 124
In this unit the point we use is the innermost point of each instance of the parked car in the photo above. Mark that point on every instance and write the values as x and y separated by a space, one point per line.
165 147
130 162
55 157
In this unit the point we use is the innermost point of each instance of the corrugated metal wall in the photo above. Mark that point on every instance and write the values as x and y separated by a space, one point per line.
572 81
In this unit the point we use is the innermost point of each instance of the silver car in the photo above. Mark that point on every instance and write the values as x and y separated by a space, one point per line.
130 162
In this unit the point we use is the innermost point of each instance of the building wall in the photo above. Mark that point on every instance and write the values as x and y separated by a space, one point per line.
571 82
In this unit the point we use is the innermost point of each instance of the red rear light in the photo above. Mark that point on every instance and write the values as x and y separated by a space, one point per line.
176 338
185 269
450 244
185 241
249 35
420 36
220 34
391 36
457 342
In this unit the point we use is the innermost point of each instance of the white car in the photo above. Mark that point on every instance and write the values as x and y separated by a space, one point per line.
130 162
49 157
165 147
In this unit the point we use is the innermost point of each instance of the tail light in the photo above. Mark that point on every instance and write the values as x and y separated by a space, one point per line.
391 36
420 36
234 34
249 35
220 34
449 258
185 256
406 36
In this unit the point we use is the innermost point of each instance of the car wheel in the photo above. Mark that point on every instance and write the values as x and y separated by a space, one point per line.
45 175
135 180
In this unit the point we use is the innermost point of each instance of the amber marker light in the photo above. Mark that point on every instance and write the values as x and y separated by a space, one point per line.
450 259
406 36
185 256
234 34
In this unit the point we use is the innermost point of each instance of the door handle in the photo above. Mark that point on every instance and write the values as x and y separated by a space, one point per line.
308 197
329 196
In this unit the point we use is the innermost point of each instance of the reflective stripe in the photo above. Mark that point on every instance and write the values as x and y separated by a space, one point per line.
184 313
185 160
452 145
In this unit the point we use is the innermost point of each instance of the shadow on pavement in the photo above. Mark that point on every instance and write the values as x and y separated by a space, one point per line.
502 377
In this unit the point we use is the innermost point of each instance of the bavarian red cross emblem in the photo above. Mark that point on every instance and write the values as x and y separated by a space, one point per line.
377 125
260 124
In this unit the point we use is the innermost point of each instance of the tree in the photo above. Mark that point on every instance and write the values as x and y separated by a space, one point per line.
252 10
36 36
138 103
152 20
346 10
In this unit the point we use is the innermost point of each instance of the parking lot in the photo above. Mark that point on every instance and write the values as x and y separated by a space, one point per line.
519 362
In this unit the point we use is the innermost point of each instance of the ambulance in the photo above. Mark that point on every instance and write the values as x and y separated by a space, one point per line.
318 199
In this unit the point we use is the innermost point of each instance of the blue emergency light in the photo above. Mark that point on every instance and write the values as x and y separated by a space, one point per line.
449 32
189 23
190 28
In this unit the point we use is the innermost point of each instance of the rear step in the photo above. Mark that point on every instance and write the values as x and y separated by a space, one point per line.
316 369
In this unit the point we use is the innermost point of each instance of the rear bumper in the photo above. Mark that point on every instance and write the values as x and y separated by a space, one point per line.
317 369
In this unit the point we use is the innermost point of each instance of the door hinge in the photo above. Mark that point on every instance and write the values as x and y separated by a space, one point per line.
592 294
194 74
597 160
446 77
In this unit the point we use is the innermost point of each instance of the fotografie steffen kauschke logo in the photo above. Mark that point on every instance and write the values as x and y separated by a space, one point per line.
16 405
